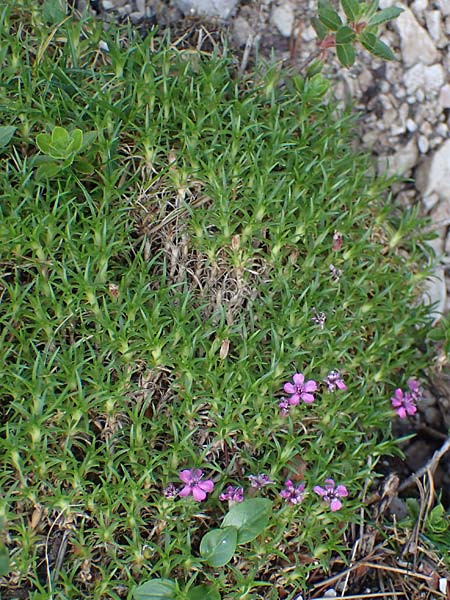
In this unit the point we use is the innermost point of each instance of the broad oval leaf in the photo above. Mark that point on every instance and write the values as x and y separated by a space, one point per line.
351 9
60 138
346 54
345 35
6 133
250 518
218 546
44 142
376 46
392 12
203 592
156 589
330 18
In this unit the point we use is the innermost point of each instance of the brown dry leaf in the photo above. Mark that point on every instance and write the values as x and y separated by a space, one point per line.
36 516
224 349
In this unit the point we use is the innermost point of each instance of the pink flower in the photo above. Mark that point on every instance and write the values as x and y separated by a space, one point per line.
284 407
192 478
332 493
403 402
334 380
415 389
300 390
293 494
232 494
259 481
170 491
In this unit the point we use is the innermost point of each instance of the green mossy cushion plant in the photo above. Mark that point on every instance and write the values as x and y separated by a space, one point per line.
179 286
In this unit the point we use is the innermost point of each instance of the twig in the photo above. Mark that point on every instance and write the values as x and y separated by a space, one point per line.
429 466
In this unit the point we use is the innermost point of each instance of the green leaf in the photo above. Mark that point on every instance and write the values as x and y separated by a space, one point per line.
392 12
89 138
351 9
50 169
44 142
83 166
156 589
250 518
346 54
218 546
314 68
319 28
76 141
330 19
6 133
60 137
375 46
54 11
4 561
345 35
203 592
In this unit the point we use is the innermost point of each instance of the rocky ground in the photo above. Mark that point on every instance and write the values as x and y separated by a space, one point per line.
405 125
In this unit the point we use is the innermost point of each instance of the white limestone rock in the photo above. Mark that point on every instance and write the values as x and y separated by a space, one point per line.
222 9
283 17
416 45
433 176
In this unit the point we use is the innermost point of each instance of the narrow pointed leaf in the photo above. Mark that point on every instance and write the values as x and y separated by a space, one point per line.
351 9
392 12
346 54
375 46
250 518
319 28
218 546
156 589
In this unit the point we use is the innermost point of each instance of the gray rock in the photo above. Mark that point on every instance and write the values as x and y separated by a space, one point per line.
416 44
283 17
444 5
402 161
222 9
444 96
242 31
434 24
434 175
421 77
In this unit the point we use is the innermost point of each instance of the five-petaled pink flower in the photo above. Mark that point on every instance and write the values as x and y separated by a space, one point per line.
192 478
331 493
291 493
300 389
403 402
334 380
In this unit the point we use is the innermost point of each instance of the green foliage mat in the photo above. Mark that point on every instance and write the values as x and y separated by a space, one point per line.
163 276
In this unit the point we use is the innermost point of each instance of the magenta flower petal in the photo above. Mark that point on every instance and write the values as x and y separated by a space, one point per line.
319 490
185 491
198 493
341 385
341 491
289 388
307 398
298 379
335 504
206 486
310 386
294 400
